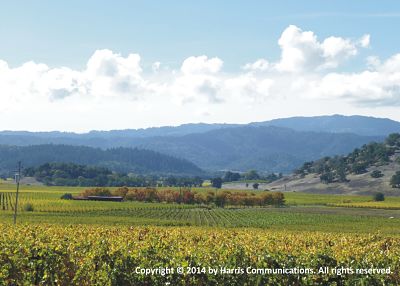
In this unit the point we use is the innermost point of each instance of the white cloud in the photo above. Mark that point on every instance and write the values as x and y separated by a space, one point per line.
201 65
258 65
115 91
156 66
301 50
364 41
378 86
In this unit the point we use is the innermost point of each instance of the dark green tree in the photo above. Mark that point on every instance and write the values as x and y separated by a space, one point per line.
376 174
231 177
216 182
393 139
395 180
327 177
379 197
252 175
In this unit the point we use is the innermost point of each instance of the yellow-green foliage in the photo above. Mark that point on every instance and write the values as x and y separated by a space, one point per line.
94 255
392 205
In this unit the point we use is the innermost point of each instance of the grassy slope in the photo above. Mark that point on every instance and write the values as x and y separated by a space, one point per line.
362 184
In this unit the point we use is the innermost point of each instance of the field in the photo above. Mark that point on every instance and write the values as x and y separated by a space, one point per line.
67 242
301 212
98 255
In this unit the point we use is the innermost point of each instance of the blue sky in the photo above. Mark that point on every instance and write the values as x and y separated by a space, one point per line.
67 32
131 64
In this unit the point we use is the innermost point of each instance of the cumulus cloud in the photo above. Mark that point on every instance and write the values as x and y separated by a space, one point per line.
201 65
258 65
306 74
378 86
301 50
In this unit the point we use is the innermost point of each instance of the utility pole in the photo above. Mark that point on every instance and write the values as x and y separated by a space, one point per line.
17 179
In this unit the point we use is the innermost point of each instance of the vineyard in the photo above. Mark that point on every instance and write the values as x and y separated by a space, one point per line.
94 255
393 205
302 212
7 201
77 242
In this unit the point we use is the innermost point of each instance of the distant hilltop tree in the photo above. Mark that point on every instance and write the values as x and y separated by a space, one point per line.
376 174
335 169
395 180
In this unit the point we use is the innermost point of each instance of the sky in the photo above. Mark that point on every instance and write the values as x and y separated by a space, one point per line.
102 65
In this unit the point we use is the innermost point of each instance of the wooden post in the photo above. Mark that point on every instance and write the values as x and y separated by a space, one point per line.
17 179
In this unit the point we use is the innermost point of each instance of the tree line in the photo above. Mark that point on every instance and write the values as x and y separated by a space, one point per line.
69 174
187 196
122 160
336 169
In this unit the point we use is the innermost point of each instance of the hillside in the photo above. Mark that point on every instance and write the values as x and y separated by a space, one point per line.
366 170
116 159
279 145
265 148
269 149
361 125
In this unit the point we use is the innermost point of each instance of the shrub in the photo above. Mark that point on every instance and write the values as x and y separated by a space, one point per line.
66 196
326 177
376 174
220 199
395 180
28 207
96 192
121 192
379 197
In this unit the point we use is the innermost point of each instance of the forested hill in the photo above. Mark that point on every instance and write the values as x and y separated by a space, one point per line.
116 159
361 125
336 169
264 148
279 145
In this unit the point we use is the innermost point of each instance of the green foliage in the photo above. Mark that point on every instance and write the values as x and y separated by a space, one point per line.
251 175
379 197
172 181
231 177
216 183
220 199
359 168
28 207
326 177
395 180
69 174
376 174
96 255
66 196
393 139
186 196
96 192
335 169
122 160
255 186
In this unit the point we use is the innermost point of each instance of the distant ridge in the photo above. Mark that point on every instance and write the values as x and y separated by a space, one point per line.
357 124
361 125
279 145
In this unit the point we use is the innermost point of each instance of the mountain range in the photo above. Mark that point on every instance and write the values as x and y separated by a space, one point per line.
279 145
